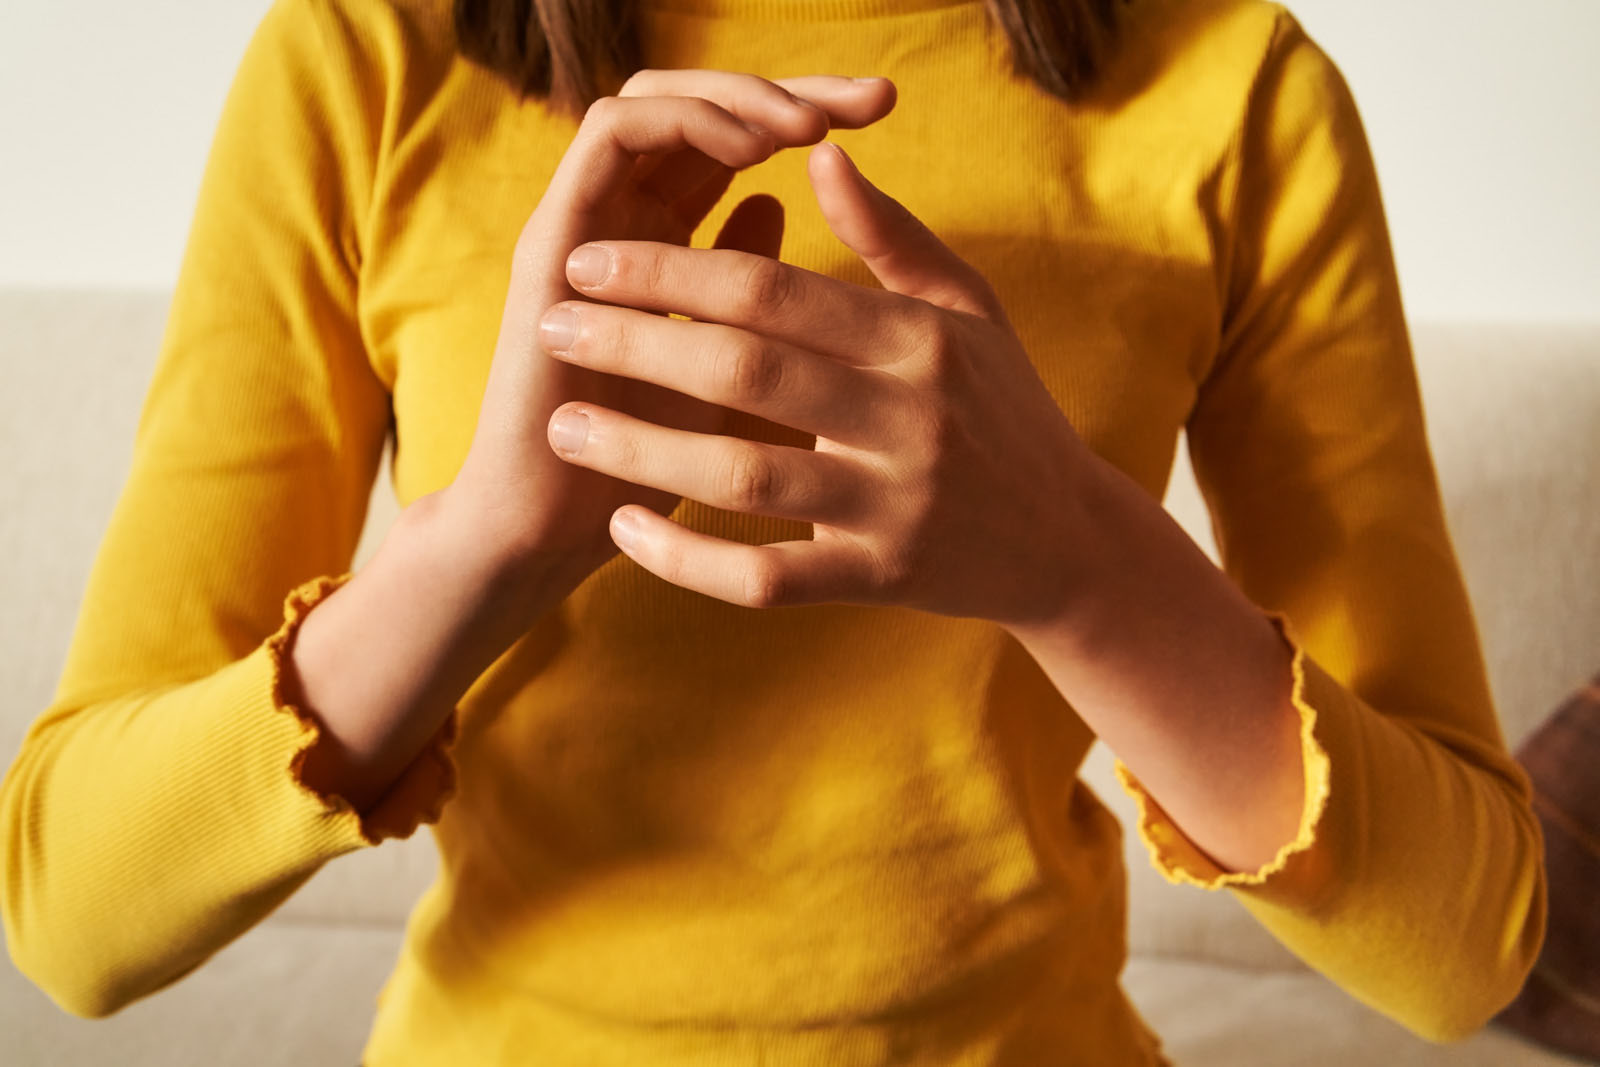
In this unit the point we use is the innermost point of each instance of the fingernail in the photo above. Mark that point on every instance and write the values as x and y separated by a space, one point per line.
625 530
589 265
568 431
558 329
863 81
760 131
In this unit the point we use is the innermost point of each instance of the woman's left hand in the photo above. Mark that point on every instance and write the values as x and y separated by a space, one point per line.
944 475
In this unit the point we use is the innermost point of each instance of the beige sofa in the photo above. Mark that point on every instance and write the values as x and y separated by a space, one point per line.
1515 417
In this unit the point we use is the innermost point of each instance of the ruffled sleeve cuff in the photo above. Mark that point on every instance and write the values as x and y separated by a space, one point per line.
1179 860
418 796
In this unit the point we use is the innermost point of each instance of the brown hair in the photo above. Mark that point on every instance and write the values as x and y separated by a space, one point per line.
565 51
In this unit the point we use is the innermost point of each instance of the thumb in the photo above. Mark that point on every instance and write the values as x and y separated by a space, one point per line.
896 246
754 225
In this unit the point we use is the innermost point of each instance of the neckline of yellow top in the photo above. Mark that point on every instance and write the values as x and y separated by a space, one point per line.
800 10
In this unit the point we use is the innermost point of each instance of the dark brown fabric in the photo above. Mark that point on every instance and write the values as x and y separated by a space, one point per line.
1559 1006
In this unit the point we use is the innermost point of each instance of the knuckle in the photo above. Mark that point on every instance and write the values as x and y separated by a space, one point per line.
765 585
923 332
891 572
926 439
949 372
943 345
602 110
605 345
752 482
626 456
752 372
637 83
756 83
669 563
605 350
634 270
897 573
927 428
767 285
987 298
705 111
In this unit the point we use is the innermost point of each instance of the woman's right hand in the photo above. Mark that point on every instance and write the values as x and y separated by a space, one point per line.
646 164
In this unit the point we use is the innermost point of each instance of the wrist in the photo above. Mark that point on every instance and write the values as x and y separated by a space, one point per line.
511 580
1080 597
1137 580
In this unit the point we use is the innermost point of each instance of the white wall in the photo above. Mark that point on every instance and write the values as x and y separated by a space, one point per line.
1484 118
107 108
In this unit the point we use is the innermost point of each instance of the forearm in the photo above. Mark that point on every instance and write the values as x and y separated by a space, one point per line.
383 660
1185 680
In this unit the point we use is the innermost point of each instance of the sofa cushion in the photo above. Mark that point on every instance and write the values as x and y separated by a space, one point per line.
1513 416
291 992
1210 1015
286 994
1512 411
1560 1004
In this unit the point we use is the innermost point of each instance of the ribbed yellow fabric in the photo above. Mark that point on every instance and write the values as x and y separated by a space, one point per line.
677 832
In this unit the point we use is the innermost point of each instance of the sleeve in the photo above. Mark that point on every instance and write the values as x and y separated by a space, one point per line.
155 811
1416 880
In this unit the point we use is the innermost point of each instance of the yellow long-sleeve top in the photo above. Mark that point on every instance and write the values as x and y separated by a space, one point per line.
679 832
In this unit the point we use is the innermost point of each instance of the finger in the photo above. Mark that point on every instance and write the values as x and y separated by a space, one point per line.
683 178
794 119
750 96
731 367
847 103
851 323
850 103
899 249
732 473
781 574
616 130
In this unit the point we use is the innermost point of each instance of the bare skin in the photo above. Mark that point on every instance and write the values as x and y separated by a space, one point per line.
943 478
382 660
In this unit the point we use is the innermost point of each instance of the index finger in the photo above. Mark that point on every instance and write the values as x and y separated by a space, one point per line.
850 103
852 323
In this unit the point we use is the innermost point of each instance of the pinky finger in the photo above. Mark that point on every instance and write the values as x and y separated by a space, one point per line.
781 574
